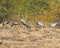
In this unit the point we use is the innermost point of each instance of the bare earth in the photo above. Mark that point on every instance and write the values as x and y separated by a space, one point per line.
20 38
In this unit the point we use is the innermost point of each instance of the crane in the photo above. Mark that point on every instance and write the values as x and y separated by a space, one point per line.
26 24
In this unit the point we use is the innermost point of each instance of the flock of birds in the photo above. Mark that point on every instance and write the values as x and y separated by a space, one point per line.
28 26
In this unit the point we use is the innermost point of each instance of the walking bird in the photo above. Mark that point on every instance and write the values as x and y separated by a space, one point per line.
26 24
53 25
14 23
40 24
5 22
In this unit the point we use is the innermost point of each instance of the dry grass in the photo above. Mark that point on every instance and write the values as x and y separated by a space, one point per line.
17 37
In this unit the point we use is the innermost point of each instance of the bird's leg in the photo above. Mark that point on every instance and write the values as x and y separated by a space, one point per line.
11 25
3 25
41 26
30 29
27 28
14 25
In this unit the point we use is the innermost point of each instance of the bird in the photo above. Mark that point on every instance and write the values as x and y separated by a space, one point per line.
26 24
58 24
53 25
14 23
40 24
5 22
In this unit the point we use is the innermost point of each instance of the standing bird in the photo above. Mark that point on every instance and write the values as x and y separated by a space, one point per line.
14 23
53 25
25 23
40 24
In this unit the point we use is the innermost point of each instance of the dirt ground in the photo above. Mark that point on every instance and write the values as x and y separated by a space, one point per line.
17 37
